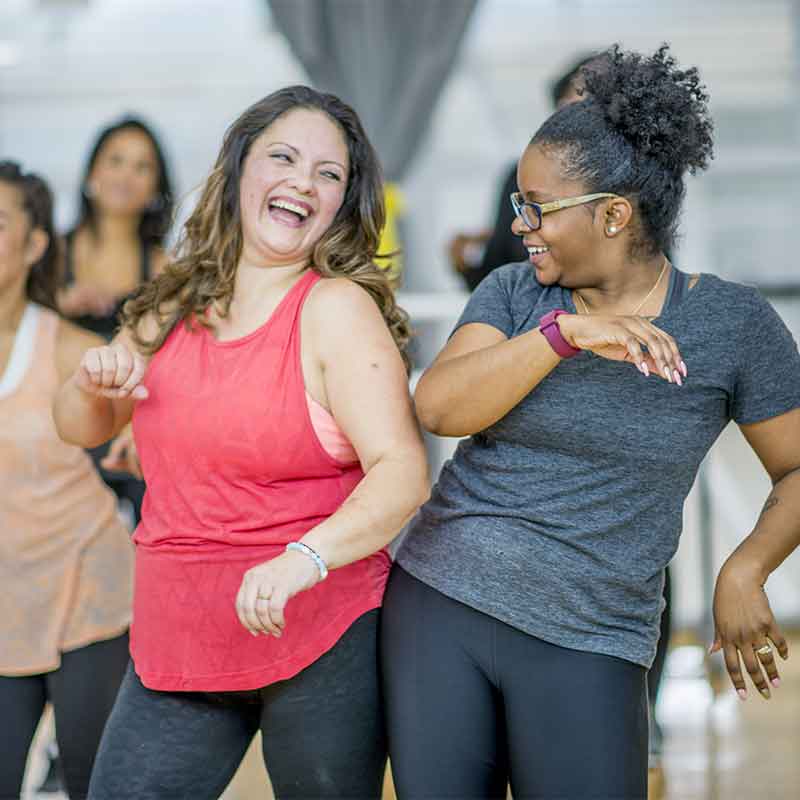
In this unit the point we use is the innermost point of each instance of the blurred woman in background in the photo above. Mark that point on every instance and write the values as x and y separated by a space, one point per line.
117 244
65 557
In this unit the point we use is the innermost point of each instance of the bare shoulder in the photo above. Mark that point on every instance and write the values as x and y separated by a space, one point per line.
334 295
334 301
71 343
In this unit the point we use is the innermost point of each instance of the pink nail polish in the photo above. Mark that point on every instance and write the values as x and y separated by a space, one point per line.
684 370
776 682
678 378
645 369
742 694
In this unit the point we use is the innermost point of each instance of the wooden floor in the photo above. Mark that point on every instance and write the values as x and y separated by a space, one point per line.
716 746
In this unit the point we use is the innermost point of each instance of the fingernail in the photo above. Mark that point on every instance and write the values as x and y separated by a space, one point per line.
645 369
683 369
678 378
765 692
776 682
742 694
668 374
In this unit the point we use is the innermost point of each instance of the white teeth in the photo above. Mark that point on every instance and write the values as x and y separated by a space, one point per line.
303 212
536 251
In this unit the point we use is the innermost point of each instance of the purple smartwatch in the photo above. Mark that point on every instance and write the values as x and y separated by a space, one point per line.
550 330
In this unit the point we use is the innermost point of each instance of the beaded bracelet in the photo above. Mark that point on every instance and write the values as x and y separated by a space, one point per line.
312 554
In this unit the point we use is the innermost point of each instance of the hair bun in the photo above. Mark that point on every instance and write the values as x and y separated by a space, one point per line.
660 109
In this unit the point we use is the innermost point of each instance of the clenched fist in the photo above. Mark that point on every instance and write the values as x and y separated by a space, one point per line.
112 371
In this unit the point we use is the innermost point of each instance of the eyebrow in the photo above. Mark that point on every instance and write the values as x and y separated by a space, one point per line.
536 196
294 149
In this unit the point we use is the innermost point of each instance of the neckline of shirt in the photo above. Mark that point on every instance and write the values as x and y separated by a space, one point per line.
21 351
240 340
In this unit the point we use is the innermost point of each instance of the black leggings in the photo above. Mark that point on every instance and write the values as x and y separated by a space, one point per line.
82 691
322 732
473 704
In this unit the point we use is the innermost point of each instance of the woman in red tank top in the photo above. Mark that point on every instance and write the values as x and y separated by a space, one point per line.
264 374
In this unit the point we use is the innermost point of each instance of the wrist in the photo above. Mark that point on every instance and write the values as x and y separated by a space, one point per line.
313 557
550 326
566 325
744 568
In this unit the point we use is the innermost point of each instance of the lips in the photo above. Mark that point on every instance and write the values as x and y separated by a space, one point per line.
536 252
289 211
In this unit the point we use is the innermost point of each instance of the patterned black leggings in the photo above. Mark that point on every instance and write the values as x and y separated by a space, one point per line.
322 732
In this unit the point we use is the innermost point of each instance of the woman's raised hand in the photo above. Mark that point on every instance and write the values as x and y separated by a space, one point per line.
112 371
78 299
633 339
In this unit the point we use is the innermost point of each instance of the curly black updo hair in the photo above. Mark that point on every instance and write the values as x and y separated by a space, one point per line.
643 124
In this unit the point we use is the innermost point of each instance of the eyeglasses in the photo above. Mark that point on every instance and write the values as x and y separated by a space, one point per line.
531 213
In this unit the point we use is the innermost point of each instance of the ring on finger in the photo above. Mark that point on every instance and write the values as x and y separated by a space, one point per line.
764 650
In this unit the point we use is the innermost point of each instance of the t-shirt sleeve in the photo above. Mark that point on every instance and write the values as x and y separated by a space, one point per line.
490 304
768 374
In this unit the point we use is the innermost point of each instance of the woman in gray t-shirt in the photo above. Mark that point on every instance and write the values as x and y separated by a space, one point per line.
523 611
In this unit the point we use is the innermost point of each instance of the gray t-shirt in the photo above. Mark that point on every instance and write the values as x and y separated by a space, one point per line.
560 518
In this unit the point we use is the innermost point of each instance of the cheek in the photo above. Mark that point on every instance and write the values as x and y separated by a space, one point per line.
330 202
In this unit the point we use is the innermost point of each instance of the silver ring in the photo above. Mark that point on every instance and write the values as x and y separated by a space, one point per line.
765 650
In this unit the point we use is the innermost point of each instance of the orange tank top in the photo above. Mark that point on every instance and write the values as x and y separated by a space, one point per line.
65 557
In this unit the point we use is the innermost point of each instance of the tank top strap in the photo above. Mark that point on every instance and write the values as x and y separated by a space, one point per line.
286 318
31 370
44 374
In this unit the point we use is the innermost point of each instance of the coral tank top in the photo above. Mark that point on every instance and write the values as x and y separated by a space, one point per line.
235 470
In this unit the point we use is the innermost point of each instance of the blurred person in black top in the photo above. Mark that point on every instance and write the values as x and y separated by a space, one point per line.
117 243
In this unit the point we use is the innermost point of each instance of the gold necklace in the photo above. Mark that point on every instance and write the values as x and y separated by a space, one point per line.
646 298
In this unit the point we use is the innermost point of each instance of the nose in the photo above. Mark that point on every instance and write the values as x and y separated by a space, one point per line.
519 228
301 180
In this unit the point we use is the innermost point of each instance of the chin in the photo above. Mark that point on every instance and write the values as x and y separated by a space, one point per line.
545 277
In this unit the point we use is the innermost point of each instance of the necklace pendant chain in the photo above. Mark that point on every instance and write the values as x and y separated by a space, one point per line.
646 297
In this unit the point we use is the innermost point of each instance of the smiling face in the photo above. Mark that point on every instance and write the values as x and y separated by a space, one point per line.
124 177
567 247
293 184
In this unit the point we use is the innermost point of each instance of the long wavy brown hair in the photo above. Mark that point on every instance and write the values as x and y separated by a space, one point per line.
210 245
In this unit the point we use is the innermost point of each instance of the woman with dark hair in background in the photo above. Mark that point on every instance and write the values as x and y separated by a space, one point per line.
65 558
523 609
117 244
264 374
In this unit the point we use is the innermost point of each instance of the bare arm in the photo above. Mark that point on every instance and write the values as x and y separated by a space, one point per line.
743 617
366 389
480 375
101 386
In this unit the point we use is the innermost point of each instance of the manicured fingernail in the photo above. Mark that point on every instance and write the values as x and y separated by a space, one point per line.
683 369
742 694
776 682
678 378
765 692
645 369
